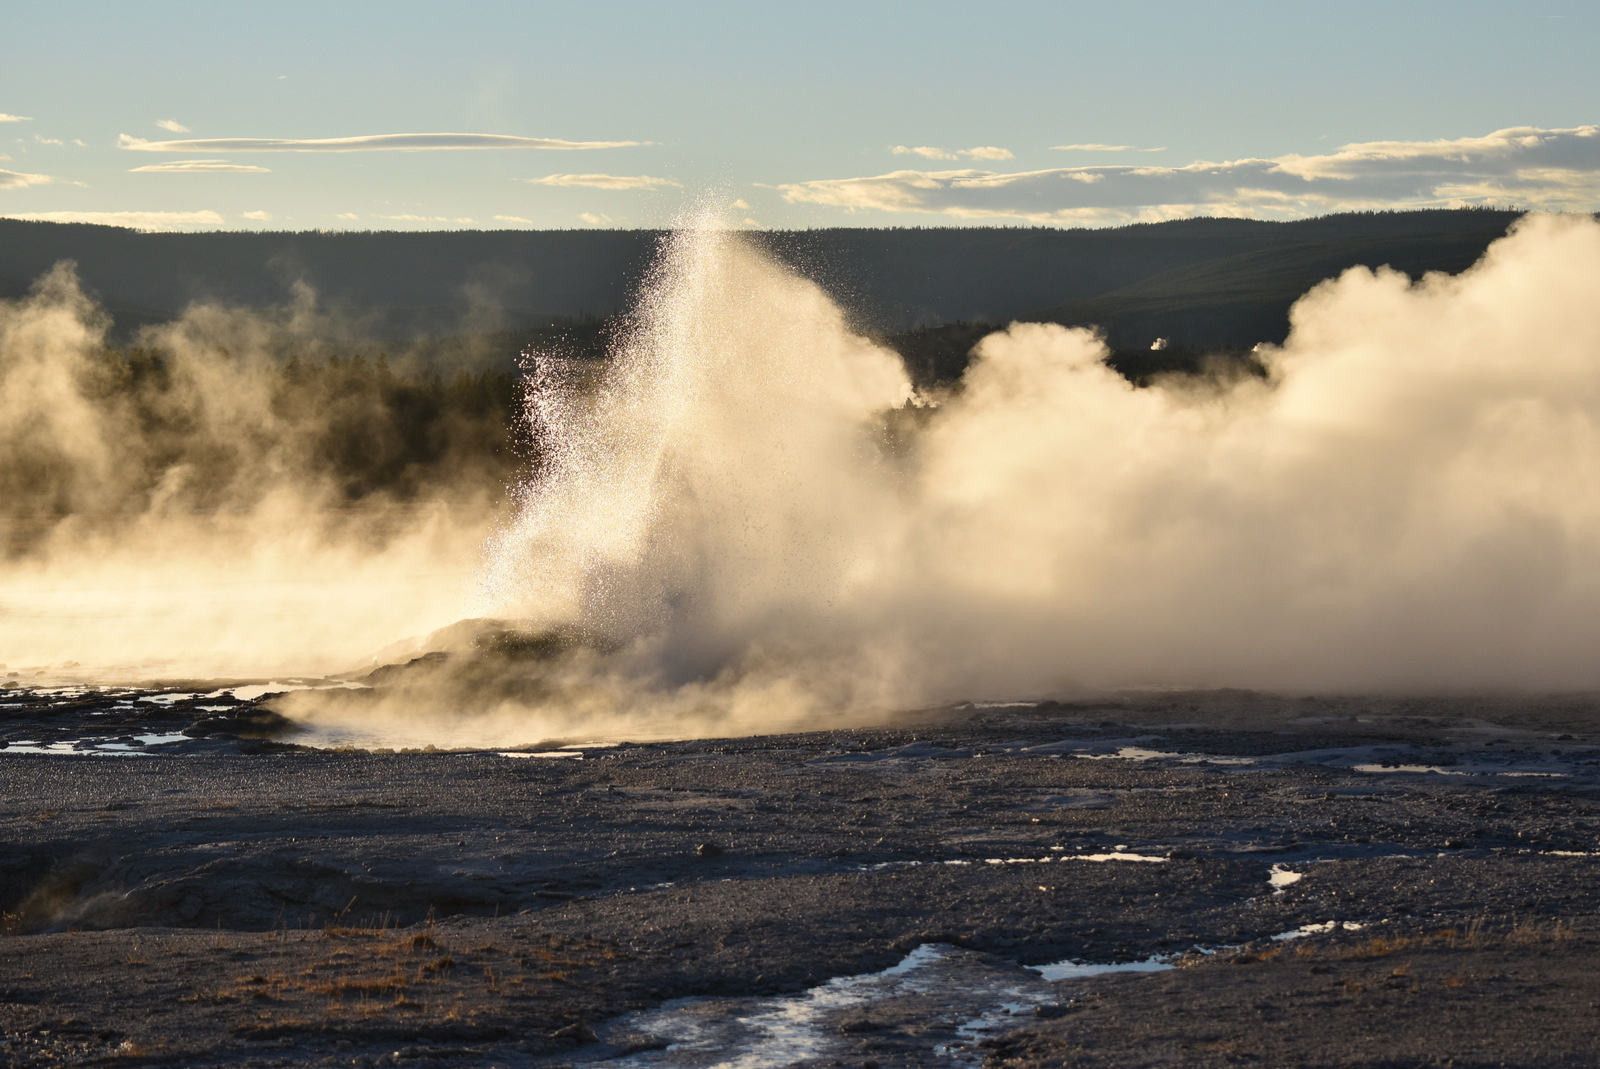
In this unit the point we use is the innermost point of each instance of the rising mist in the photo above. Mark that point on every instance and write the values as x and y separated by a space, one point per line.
754 522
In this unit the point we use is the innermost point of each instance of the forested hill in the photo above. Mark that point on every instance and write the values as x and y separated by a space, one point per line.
1198 282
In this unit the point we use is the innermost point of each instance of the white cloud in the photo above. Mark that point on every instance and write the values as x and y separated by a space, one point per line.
133 220
15 118
259 217
923 150
42 140
1091 147
605 181
199 167
366 143
348 217
18 180
172 126
981 152
594 219
742 205
467 219
513 219
1526 167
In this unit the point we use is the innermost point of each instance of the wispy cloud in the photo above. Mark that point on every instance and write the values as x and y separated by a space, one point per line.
18 180
133 220
1525 166
199 167
172 126
1091 147
513 219
348 217
598 219
366 143
257 217
981 152
460 220
40 139
15 118
605 181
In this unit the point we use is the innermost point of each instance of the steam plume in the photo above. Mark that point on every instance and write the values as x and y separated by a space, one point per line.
743 535
174 510
753 523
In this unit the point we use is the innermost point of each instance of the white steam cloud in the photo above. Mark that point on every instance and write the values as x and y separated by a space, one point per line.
751 523
1405 502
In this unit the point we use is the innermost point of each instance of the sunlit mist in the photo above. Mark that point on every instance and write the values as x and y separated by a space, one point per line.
754 525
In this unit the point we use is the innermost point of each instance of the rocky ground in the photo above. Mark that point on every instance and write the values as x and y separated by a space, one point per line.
1178 879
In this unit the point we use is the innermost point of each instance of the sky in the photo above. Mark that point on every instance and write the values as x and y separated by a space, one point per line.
493 115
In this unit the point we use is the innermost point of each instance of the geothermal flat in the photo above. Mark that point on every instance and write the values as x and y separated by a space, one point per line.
1137 879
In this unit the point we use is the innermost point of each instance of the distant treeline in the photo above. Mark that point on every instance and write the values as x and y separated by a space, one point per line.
1217 283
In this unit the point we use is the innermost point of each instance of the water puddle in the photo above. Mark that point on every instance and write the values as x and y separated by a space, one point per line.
1138 753
1437 770
1119 855
101 746
1317 929
1281 878
1077 970
171 698
251 692
935 1006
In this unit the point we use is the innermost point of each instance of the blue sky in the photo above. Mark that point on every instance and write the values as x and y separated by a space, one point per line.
788 115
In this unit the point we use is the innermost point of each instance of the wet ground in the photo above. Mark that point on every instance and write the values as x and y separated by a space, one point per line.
1180 879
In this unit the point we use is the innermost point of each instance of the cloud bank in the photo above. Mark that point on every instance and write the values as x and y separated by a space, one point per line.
605 181
1556 170
199 167
366 143
981 152
157 221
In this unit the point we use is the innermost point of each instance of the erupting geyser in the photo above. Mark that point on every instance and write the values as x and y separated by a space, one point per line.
752 522
1404 502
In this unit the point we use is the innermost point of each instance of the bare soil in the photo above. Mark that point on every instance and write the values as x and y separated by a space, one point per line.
231 900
